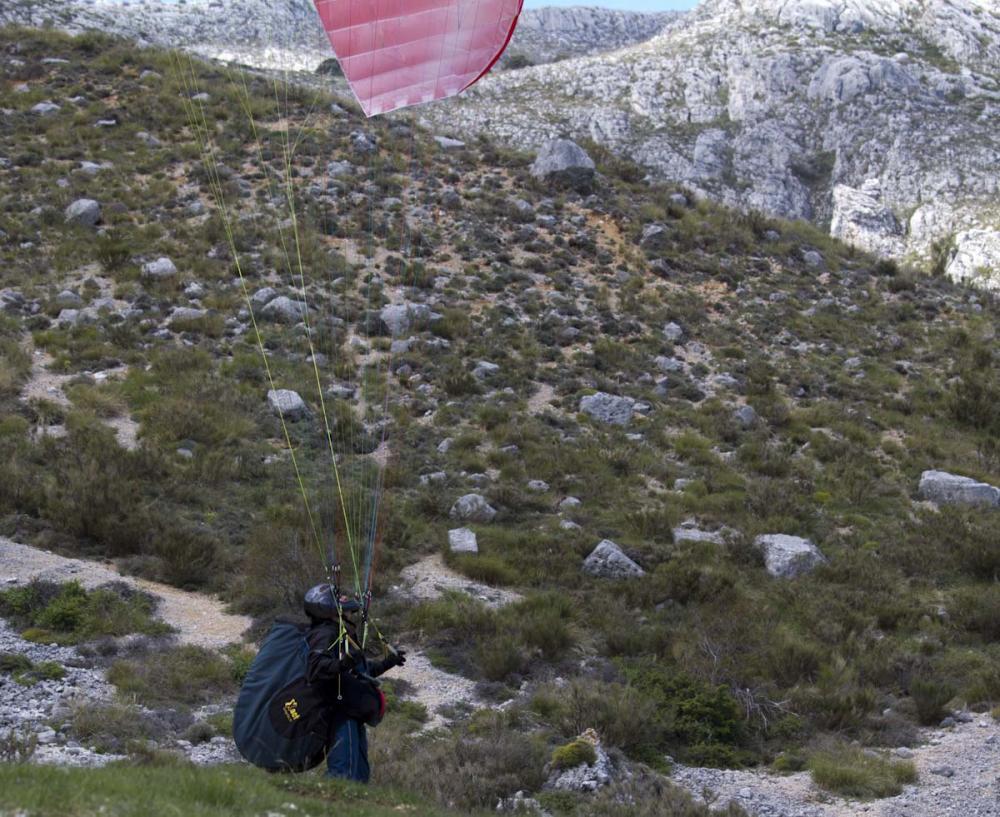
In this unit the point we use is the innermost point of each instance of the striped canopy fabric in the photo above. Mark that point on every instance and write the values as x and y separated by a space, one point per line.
396 53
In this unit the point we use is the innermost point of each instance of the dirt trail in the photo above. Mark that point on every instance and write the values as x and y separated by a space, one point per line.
198 619
45 385
541 399
436 689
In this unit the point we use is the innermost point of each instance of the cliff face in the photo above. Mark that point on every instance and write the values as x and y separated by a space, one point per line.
877 120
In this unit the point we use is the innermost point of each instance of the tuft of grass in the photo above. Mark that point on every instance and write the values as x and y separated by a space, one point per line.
852 772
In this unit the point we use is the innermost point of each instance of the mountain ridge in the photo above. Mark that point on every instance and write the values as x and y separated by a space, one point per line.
772 105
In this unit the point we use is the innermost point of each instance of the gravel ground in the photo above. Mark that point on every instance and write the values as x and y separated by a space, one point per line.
430 578
959 776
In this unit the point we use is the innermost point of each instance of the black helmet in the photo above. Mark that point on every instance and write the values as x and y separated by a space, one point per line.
320 603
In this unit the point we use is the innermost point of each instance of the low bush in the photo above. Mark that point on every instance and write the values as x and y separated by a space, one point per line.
186 675
110 727
474 765
68 614
573 754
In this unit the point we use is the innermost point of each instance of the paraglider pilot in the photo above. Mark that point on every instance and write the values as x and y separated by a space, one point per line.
338 661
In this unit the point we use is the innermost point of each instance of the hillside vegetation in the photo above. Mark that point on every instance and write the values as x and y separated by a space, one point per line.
771 381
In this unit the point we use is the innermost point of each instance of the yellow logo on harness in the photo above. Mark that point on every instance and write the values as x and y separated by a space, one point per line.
291 708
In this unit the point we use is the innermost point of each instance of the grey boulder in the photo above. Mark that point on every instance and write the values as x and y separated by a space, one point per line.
287 404
83 212
563 163
608 408
472 508
952 489
607 561
284 310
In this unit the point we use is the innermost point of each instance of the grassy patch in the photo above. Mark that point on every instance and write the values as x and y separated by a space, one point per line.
227 791
852 772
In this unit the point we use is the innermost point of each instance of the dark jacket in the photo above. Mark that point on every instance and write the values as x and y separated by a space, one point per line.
324 653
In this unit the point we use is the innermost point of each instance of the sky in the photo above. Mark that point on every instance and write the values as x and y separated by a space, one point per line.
630 5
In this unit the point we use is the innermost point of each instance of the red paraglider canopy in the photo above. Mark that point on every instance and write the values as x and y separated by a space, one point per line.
396 53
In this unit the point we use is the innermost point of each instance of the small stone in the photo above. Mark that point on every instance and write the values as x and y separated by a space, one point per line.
263 296
568 503
812 259
673 332
538 486
45 108
83 212
159 269
484 369
447 143
472 508
745 416
904 753
942 771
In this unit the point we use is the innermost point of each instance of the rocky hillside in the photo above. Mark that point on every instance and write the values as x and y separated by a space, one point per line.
286 35
675 496
875 120
561 32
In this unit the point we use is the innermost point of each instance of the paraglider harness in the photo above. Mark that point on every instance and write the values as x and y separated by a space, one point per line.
283 720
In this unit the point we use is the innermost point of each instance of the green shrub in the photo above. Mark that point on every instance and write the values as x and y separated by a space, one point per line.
474 765
575 753
977 609
930 697
852 772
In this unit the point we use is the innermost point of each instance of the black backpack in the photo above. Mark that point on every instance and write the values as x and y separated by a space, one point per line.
281 721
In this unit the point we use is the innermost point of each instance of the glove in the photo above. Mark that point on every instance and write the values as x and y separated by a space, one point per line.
397 657
349 660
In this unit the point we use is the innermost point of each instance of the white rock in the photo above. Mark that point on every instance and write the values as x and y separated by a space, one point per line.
976 259
159 269
287 404
788 556
462 540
